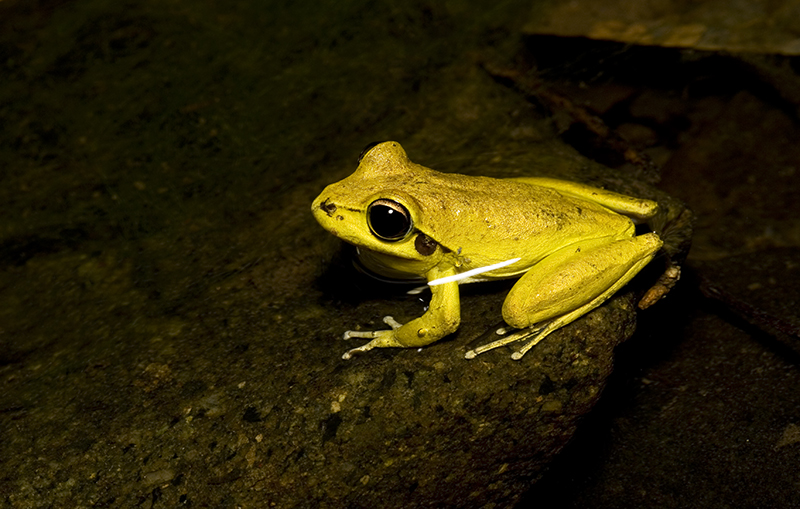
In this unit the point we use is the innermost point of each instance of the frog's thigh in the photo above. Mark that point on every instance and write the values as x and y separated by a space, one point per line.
577 279
627 205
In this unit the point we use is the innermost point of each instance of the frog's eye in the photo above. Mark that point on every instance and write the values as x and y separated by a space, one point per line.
366 149
388 220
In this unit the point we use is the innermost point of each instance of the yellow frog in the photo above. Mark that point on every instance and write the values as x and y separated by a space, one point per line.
573 245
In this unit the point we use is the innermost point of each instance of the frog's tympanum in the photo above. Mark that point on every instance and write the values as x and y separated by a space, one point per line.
572 246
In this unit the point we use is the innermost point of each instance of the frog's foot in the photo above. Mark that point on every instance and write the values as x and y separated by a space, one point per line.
538 333
380 338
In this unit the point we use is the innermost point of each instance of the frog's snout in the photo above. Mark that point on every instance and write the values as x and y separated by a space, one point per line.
325 212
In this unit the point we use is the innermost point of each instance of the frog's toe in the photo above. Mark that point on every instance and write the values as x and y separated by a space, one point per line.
380 339
538 333
388 320
391 322
363 348
348 334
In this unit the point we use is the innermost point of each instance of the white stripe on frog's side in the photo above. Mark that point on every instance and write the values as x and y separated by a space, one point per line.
473 272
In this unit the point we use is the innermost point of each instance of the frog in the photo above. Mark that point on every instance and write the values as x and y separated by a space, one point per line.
570 245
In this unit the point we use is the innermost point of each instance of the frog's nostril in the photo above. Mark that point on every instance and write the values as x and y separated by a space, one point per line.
329 208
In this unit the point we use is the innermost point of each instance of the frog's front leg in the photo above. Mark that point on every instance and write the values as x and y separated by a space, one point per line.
568 284
442 318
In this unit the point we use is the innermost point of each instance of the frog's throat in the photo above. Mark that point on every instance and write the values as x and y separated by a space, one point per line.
473 272
374 264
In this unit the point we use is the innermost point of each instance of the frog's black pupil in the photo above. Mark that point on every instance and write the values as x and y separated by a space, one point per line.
389 220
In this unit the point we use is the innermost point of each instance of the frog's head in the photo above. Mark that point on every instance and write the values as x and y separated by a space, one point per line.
374 210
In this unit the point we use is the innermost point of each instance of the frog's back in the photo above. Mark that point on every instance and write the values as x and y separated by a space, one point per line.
491 220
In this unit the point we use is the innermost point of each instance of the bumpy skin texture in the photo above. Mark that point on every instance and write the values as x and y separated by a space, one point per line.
573 245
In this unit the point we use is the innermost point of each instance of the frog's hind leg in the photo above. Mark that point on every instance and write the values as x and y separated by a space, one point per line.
568 284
